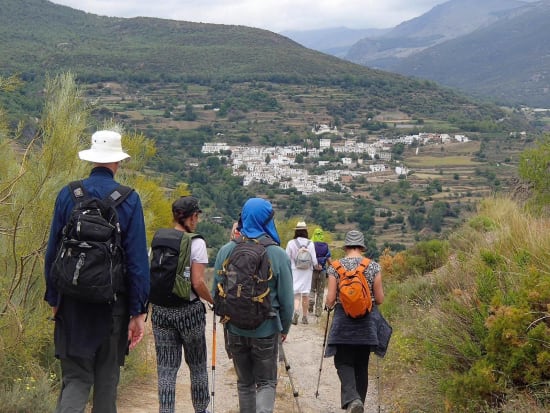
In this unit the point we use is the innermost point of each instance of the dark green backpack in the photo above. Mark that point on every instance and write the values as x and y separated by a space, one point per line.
170 254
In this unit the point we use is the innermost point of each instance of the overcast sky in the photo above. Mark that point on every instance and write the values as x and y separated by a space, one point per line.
274 15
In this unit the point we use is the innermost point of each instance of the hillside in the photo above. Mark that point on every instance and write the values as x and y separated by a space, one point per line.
39 36
509 60
470 314
495 49
446 21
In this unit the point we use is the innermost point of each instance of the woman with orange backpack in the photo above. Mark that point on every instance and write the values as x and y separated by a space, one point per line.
354 292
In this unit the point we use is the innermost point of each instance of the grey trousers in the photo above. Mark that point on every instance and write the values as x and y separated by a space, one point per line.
255 361
79 375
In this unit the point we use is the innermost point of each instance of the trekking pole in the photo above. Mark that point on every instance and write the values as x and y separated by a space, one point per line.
378 380
322 355
287 367
213 357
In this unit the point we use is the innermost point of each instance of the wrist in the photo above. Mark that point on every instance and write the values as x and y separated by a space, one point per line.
139 316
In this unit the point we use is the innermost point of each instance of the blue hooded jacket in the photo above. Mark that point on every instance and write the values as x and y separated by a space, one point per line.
257 222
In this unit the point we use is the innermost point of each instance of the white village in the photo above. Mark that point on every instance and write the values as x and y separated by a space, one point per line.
274 165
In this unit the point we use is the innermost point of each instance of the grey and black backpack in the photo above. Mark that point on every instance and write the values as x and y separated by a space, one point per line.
242 295
89 265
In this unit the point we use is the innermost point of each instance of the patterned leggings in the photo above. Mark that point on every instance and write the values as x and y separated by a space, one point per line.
174 328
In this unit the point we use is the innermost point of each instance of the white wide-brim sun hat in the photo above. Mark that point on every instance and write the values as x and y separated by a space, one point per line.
106 148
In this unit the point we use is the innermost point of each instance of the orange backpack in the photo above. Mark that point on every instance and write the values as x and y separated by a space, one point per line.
353 286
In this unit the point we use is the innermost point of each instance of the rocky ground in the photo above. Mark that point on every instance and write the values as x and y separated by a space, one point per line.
303 350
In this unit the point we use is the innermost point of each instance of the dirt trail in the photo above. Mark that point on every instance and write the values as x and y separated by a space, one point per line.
303 350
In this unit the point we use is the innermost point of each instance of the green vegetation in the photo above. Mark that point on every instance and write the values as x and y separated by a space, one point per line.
29 182
471 314
533 168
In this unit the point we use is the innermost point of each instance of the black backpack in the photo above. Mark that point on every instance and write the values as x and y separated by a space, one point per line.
89 265
242 295
170 254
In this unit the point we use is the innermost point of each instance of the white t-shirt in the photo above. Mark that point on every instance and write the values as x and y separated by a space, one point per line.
198 254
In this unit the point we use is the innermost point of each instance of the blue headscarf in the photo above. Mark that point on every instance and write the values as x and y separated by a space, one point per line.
257 219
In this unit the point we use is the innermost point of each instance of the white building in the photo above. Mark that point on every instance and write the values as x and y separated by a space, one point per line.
214 147
377 168
324 144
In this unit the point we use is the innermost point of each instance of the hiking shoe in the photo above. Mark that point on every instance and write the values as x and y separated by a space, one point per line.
304 320
356 406
295 319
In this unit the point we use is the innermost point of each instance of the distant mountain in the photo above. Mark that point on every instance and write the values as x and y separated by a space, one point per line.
446 21
508 60
493 49
335 41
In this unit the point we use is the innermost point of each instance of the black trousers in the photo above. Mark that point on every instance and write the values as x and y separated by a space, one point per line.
352 365
102 372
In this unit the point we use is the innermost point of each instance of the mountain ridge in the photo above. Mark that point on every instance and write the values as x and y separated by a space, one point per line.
39 38
450 45
509 52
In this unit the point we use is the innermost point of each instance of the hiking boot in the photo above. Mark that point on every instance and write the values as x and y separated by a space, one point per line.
295 319
304 320
356 406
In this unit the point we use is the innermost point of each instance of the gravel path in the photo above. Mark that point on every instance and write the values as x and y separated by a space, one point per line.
303 350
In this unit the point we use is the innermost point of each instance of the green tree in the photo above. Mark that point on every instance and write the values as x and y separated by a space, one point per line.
533 169
189 113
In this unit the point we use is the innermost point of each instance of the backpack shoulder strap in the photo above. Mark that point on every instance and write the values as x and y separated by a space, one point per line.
76 188
363 264
338 267
119 195
266 241
184 257
359 269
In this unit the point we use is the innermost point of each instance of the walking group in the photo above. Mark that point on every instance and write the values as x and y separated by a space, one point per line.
102 279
